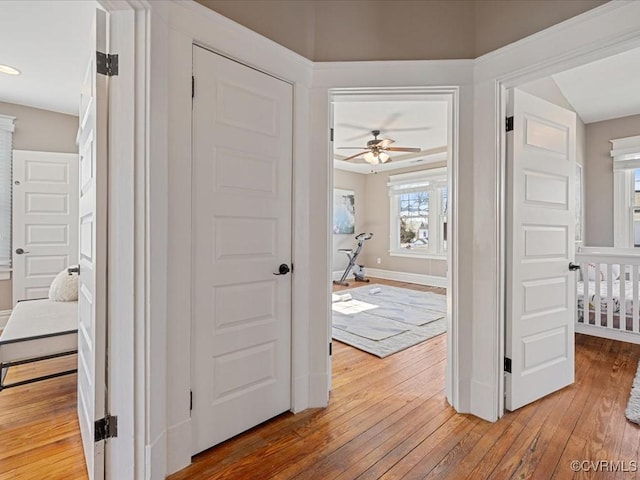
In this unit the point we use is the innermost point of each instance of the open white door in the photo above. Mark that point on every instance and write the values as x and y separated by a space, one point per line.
540 245
92 145
45 220
241 201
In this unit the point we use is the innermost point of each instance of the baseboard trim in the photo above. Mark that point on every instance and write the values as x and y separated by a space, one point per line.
156 458
4 318
416 278
179 446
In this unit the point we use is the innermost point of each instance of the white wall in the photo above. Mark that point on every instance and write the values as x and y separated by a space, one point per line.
191 23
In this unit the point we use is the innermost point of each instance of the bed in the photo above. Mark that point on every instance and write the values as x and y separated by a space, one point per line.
38 330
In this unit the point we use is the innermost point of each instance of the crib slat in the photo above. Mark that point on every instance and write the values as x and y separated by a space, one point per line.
623 297
596 297
636 306
609 296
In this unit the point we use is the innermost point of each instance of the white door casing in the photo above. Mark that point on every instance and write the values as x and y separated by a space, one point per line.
92 145
540 288
45 220
241 217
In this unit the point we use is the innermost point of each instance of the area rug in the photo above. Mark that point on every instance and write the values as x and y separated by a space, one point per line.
382 320
633 407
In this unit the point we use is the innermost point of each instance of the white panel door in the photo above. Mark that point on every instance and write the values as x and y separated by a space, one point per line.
541 289
92 145
241 201
45 220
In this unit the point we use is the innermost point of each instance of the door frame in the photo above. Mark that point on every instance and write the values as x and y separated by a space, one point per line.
453 98
526 61
128 297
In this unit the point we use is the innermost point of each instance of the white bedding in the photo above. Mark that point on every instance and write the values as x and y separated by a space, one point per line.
34 318
604 290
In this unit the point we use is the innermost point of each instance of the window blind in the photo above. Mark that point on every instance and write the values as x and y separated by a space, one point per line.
6 145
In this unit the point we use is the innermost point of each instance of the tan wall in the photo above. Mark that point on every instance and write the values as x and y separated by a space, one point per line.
377 221
356 182
598 172
341 30
42 130
501 22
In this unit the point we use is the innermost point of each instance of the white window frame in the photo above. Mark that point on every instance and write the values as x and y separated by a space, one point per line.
6 127
626 158
433 181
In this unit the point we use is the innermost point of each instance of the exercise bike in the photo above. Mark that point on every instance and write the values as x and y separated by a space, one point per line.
358 270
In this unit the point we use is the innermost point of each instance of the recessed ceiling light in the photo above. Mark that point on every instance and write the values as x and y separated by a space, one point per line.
9 70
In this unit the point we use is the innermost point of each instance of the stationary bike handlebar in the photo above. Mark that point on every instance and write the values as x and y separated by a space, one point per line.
364 236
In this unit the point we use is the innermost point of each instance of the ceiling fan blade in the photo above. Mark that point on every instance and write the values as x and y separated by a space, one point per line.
354 156
351 148
385 142
390 120
403 149
408 129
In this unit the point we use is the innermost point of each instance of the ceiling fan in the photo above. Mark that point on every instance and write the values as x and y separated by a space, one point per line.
376 150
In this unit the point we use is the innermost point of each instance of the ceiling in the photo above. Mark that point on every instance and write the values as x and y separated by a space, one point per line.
48 44
410 122
605 89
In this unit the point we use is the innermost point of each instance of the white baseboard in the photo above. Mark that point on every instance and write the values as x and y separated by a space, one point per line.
4 318
416 278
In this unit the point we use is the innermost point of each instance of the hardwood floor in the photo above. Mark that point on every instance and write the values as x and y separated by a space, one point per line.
39 432
387 418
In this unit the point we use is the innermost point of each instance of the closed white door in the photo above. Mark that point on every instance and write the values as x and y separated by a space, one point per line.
92 145
241 231
45 220
540 288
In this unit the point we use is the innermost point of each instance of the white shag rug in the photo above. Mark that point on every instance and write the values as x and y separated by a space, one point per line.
382 320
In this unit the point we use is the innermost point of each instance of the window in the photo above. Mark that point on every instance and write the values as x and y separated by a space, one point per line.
6 142
418 217
626 191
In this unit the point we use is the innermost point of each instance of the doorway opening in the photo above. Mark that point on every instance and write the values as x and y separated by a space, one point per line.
394 153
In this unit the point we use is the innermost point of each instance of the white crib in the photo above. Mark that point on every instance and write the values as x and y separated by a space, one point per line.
608 296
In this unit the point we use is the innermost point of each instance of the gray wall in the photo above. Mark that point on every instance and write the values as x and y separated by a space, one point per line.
598 172
372 215
40 130
342 30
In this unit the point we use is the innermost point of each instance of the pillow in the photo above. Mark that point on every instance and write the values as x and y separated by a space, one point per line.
615 271
64 287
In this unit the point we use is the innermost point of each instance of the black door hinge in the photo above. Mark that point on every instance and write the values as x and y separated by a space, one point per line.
330 348
106 427
107 64
193 86
507 365
331 134
190 400
509 124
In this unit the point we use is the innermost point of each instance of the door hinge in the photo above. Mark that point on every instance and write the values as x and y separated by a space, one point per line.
107 64
507 365
193 86
330 348
331 134
509 124
106 427
190 400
